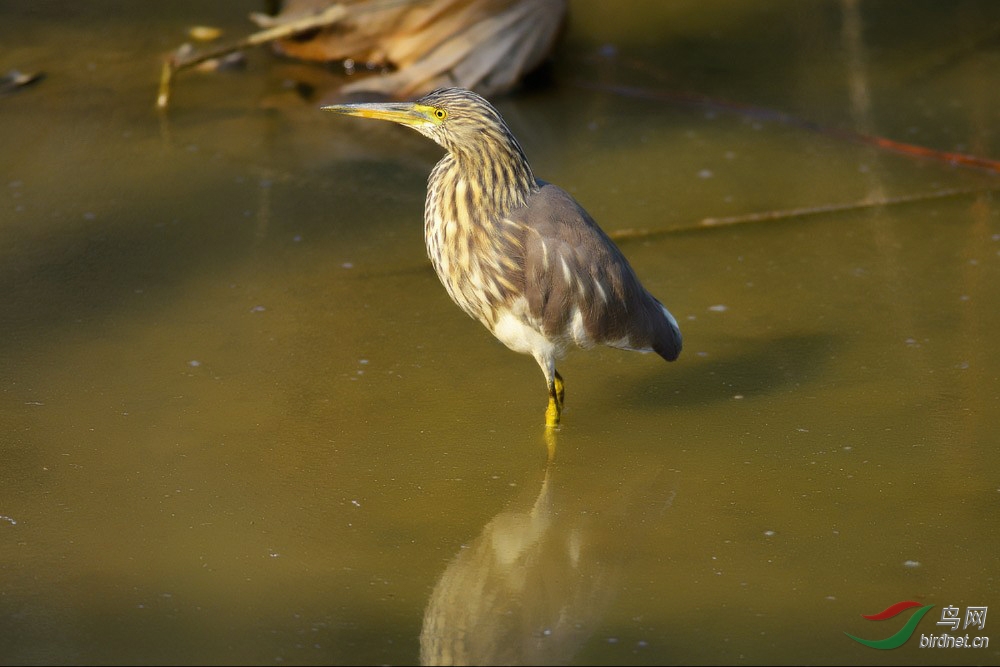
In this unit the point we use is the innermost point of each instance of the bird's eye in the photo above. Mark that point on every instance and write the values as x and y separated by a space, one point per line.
440 114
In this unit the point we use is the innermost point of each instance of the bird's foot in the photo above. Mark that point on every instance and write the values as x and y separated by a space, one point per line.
553 412
557 391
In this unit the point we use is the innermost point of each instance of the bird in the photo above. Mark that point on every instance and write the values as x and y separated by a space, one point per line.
517 253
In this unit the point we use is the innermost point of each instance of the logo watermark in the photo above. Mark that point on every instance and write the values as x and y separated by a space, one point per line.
951 616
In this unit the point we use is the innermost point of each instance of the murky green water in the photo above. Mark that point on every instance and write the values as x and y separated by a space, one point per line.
243 423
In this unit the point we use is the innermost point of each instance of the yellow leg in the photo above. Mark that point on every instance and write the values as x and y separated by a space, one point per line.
552 413
556 393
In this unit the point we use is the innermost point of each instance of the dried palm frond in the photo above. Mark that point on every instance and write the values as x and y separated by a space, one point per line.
484 45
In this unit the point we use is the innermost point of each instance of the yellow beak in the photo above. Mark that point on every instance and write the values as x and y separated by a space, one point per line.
411 115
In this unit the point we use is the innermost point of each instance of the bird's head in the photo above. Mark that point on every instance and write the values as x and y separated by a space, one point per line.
456 118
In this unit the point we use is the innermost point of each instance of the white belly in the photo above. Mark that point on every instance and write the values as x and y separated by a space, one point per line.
514 330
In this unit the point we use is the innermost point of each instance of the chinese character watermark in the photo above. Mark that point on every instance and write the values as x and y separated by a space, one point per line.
949 616
975 616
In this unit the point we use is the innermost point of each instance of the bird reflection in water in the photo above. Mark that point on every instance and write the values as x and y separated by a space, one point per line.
534 585
523 592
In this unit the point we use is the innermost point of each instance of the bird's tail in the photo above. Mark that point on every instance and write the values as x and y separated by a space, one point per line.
666 334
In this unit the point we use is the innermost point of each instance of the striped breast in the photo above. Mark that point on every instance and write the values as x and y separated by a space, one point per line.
478 254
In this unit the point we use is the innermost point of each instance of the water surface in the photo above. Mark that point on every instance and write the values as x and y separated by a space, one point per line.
245 424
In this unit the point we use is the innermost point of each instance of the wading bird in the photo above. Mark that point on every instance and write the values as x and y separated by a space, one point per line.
519 254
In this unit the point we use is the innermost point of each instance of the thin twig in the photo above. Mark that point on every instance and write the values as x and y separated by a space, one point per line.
282 29
177 62
764 216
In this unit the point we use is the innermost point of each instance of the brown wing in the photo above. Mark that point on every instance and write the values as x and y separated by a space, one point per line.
571 265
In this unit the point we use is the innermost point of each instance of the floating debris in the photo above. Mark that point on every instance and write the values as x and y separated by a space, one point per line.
13 81
230 61
204 33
